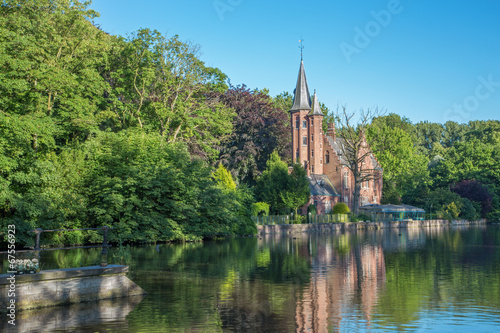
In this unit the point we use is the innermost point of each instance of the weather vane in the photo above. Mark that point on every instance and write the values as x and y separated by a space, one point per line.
301 47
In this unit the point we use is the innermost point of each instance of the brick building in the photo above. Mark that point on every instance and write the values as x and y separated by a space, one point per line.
321 155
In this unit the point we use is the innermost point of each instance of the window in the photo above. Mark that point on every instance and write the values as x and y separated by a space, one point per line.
312 152
316 204
304 124
312 122
297 122
297 154
346 179
312 169
328 207
312 137
304 140
346 199
327 157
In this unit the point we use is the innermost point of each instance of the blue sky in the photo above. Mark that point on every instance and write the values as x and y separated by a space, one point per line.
422 59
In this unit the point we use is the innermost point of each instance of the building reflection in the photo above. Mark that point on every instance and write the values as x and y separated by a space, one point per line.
341 280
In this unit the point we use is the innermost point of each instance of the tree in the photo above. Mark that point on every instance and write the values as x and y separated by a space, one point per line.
356 153
475 192
259 128
223 178
392 140
273 181
297 192
51 59
161 85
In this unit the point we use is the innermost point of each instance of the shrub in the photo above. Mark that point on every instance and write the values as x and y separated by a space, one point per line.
341 208
260 207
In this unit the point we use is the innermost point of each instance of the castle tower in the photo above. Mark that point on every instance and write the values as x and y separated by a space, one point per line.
299 120
315 142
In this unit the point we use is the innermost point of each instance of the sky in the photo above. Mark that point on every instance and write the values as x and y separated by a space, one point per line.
425 60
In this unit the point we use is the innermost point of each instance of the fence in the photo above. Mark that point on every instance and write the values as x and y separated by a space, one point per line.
329 218
288 219
273 219
32 264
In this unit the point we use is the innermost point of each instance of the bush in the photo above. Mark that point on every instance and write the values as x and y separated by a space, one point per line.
260 207
341 208
311 209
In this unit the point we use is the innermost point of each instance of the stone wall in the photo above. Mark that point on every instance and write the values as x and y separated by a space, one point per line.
65 286
328 227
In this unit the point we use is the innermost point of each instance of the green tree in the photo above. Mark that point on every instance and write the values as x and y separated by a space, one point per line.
392 140
161 85
272 183
223 178
297 193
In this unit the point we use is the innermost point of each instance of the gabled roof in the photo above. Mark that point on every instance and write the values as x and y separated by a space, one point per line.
316 109
302 98
321 185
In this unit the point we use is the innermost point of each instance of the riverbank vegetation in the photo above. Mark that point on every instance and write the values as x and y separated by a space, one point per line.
138 133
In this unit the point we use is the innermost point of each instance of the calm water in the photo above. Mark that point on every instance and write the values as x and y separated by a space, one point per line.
441 280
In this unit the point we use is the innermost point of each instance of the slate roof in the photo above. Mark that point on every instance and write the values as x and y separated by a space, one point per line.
337 147
316 109
302 98
321 185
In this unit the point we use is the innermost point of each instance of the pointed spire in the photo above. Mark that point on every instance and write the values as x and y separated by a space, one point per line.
316 109
302 99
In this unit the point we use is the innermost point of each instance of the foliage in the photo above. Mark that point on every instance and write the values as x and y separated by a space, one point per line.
259 128
452 210
311 209
281 190
392 141
297 192
161 85
341 208
260 207
223 178
475 192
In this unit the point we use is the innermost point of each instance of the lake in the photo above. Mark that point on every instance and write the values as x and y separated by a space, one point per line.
429 279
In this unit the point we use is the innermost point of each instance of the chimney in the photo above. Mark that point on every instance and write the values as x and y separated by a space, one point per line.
331 130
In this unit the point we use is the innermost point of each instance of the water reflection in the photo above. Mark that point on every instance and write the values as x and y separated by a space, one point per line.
374 280
84 317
